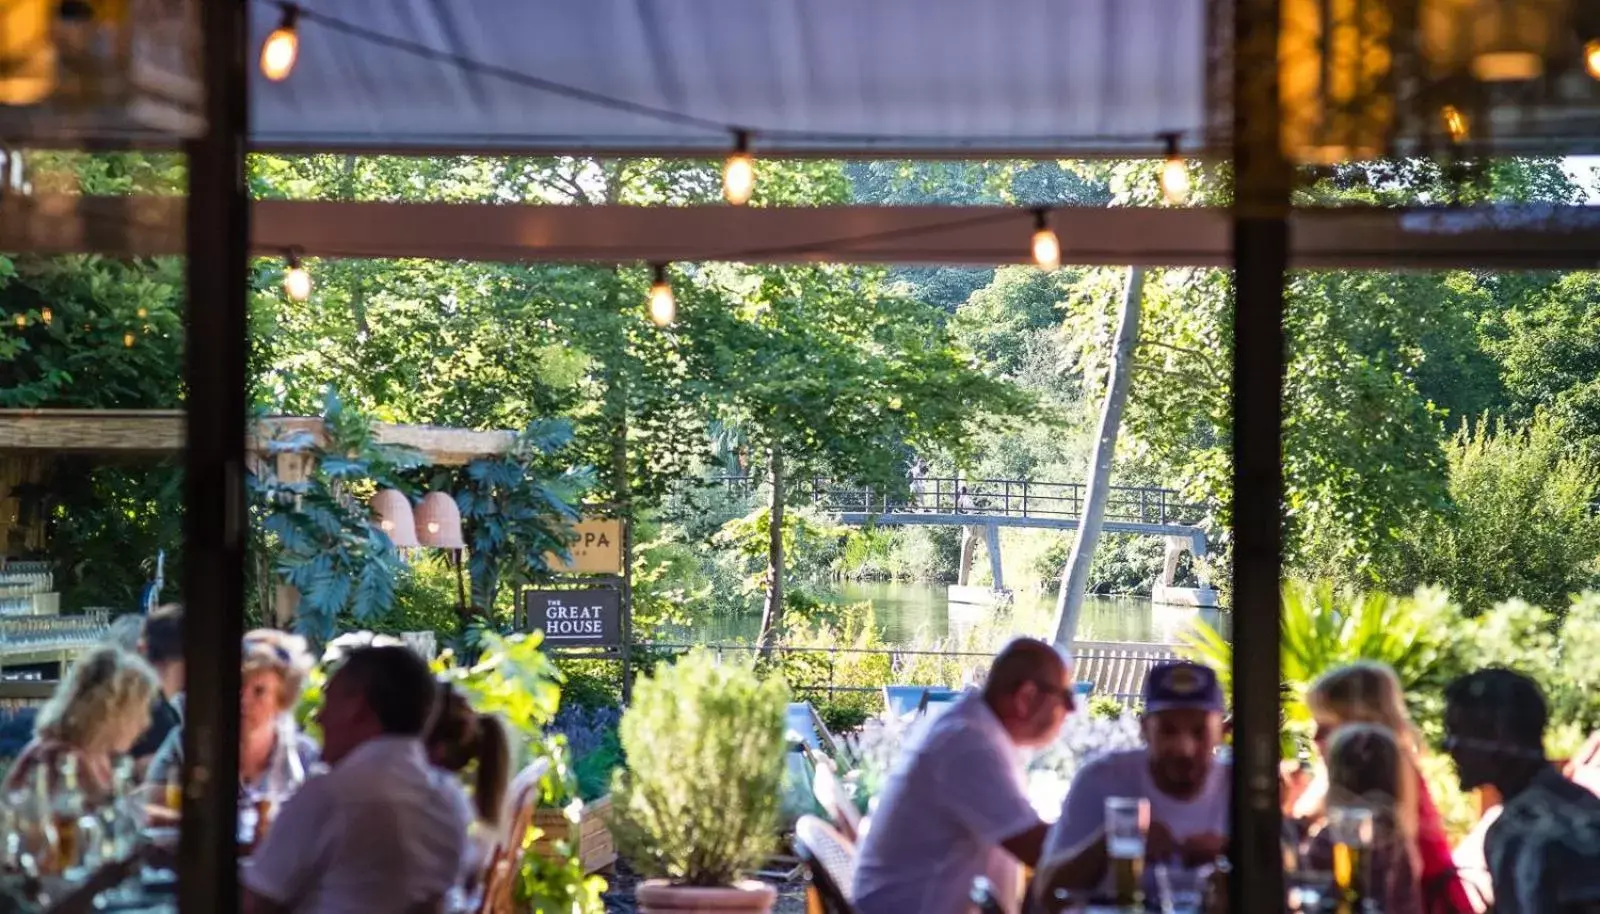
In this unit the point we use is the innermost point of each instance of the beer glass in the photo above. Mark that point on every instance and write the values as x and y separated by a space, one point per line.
1350 827
1127 820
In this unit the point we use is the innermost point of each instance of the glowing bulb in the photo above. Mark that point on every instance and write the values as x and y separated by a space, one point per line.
282 47
1455 123
739 171
1591 57
1046 247
296 281
1174 174
22 321
663 307
127 340
46 315
142 313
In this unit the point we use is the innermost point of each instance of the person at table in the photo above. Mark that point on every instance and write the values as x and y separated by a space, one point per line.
1543 852
957 794
161 643
1177 772
1370 692
95 716
1369 768
460 738
381 832
273 673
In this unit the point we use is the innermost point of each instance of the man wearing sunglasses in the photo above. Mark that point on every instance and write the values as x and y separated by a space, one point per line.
956 798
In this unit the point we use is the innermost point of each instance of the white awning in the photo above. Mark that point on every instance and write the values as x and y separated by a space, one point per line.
980 78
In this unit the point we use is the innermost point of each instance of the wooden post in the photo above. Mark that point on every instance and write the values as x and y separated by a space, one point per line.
290 467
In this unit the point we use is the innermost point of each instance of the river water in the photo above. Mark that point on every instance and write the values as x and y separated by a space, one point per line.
910 613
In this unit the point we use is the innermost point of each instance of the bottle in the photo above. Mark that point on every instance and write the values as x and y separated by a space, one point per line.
68 808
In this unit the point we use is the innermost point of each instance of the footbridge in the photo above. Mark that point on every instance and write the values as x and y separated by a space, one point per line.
981 507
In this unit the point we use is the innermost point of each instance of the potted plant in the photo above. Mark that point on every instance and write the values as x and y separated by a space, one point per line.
696 810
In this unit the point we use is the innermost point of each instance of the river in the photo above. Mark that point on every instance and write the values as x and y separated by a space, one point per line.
908 613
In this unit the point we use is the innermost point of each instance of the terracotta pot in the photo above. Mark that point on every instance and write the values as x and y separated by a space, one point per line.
661 897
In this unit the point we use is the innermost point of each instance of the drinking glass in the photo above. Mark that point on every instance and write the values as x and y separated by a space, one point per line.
1127 821
1350 827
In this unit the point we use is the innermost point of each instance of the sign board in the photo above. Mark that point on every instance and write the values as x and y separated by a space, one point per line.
597 550
591 617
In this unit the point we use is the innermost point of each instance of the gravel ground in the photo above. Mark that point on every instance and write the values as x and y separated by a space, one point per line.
619 893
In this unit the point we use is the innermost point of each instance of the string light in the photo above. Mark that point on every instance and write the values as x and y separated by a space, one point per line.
1591 57
142 313
282 48
1455 123
296 281
739 171
46 315
127 340
663 306
22 322
1046 247
1174 174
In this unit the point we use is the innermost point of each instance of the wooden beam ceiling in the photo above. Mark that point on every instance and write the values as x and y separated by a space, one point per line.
1501 238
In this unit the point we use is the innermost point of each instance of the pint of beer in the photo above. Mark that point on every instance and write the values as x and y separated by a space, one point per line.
1351 830
1127 820
172 795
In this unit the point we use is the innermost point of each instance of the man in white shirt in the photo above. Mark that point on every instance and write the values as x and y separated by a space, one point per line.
380 832
957 794
1177 772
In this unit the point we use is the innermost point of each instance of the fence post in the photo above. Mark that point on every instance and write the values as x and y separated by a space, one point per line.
1024 498
1142 494
831 655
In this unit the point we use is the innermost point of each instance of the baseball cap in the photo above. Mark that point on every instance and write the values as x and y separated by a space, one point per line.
1182 685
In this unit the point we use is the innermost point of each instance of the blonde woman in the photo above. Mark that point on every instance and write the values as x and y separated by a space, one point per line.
1367 692
95 715
274 669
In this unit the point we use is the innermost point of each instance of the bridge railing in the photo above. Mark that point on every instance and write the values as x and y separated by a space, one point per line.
1005 497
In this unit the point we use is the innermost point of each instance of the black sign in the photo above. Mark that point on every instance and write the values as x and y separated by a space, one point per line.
574 618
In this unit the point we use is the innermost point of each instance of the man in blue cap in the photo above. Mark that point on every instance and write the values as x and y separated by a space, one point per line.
1177 773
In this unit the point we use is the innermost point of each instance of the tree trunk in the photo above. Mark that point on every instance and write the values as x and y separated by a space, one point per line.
1075 576
772 608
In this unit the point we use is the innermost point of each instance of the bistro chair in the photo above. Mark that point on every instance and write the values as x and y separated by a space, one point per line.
832 862
833 799
500 873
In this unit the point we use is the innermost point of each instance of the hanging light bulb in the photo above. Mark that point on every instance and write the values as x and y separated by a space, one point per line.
22 321
1046 247
296 281
663 307
142 313
1591 57
739 171
1455 123
1174 174
282 47
127 340
46 315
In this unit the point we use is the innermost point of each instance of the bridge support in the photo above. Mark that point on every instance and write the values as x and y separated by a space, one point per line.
969 554
991 542
1164 593
969 547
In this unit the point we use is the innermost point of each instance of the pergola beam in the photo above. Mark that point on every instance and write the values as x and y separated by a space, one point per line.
1486 238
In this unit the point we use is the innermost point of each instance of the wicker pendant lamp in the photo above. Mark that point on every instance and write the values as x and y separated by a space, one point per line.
395 517
439 522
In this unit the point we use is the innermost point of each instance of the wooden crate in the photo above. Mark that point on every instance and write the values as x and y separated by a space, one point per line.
596 849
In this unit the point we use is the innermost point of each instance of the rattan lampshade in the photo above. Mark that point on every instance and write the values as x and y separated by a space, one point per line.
439 522
393 509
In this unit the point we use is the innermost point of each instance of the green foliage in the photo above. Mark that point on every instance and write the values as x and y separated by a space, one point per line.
814 667
699 801
515 508
1520 523
1325 627
1107 707
317 534
1548 345
1555 647
811 542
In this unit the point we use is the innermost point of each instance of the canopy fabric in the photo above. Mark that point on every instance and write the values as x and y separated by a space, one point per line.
823 77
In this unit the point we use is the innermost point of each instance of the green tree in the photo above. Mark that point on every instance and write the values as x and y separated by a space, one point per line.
1548 347
1520 523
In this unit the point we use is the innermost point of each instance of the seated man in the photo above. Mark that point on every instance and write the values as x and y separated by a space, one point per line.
161 642
1177 772
1544 849
956 795
380 832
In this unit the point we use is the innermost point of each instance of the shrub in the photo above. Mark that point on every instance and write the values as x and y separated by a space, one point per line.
699 801
1520 523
